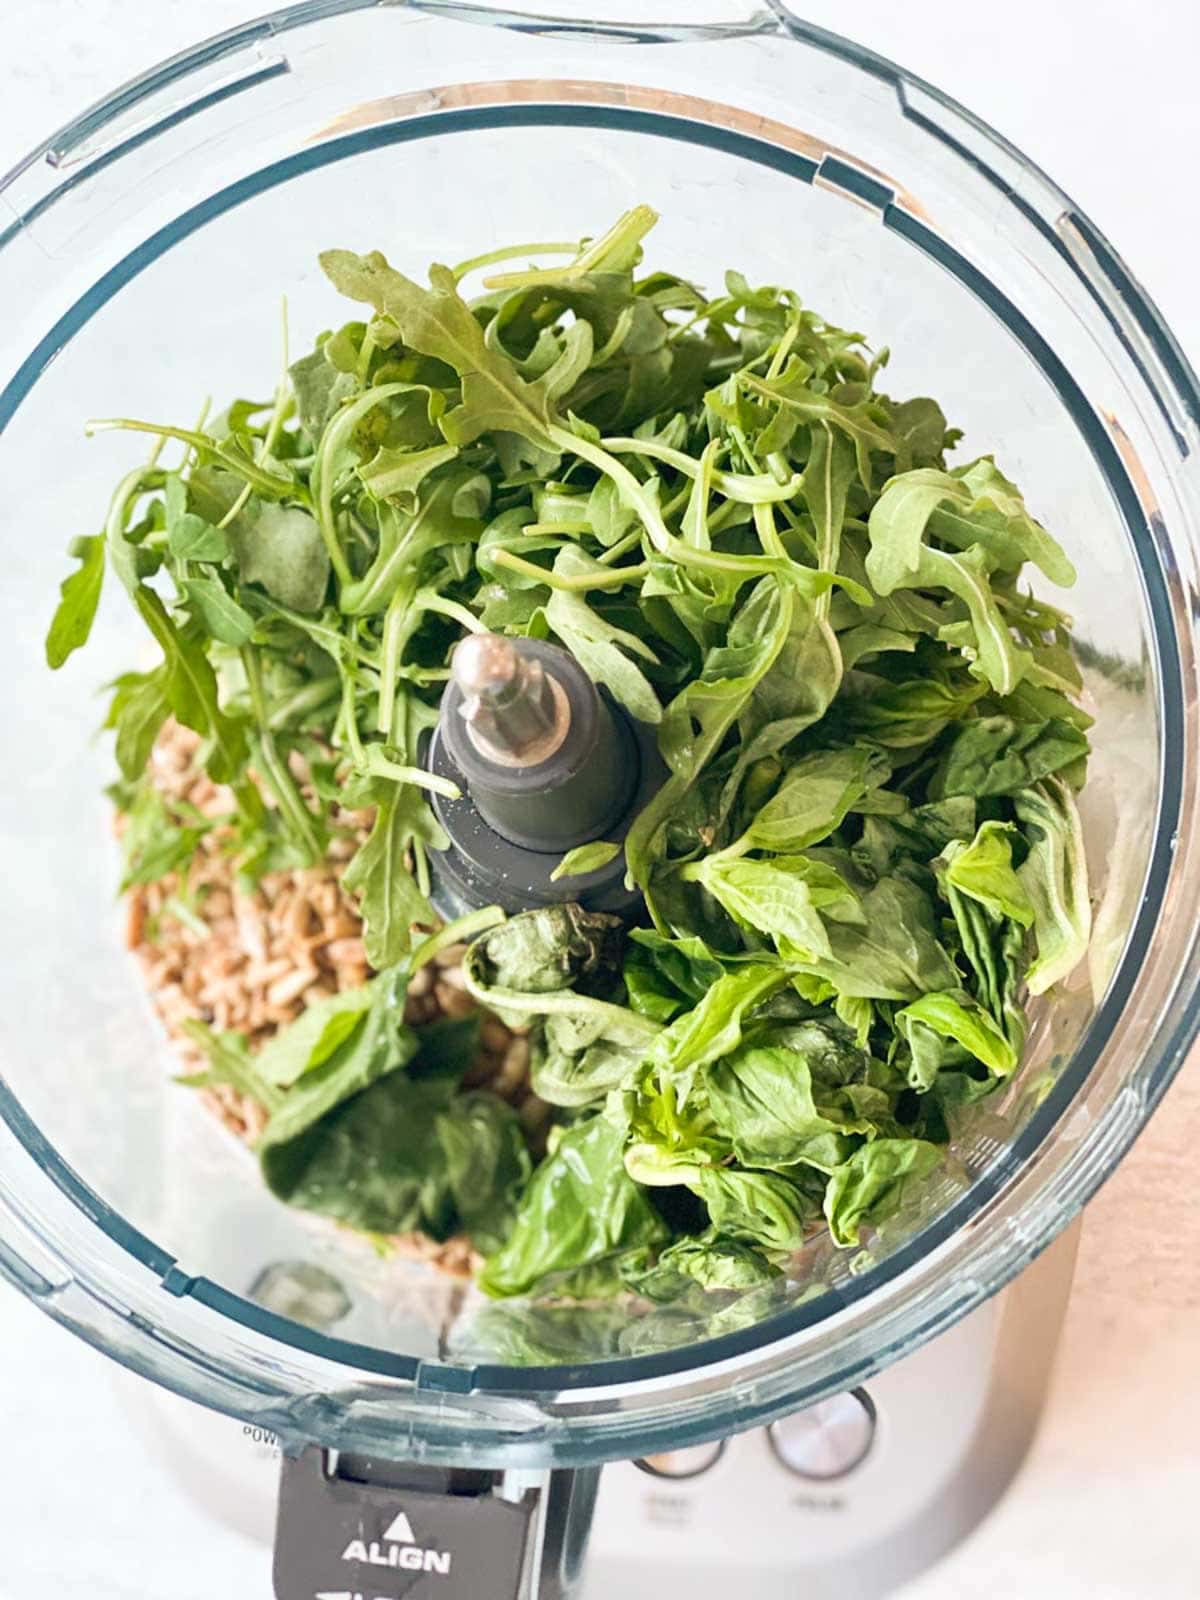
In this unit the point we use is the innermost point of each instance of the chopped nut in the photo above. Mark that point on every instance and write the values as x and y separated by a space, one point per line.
291 987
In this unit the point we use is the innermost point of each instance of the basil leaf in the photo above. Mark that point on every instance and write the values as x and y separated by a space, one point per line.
763 1207
373 1162
546 950
487 1165
958 1017
579 1207
712 1260
811 802
764 1098
875 1183
377 1045
1055 878
997 756
984 870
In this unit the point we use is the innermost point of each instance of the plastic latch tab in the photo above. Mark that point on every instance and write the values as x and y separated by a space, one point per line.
363 1529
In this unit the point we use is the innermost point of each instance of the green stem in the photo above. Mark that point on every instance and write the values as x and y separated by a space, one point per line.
623 236
275 769
348 720
308 698
429 600
647 508
631 541
697 871
577 583
399 622
362 367
783 348
768 534
265 482
383 768
461 931
732 485
512 252
324 471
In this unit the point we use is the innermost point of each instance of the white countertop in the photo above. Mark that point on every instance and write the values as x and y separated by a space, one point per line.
1106 1506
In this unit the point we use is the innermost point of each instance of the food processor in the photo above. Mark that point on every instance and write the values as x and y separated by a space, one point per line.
835 1434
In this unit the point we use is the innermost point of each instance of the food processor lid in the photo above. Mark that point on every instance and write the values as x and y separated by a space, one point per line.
107 197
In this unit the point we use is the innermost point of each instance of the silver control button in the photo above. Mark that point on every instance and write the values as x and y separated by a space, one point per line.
827 1440
689 1462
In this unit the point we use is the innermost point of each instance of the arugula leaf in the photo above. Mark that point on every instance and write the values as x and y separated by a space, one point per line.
191 538
230 1062
319 387
438 322
211 604
156 841
401 472
137 711
280 547
391 901
900 558
190 689
599 646
828 476
80 596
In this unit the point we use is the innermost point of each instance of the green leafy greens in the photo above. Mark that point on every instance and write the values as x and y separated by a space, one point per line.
866 852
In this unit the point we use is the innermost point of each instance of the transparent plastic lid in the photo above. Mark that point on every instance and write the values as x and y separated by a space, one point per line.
143 252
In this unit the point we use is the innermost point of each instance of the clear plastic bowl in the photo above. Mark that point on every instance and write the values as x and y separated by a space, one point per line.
143 252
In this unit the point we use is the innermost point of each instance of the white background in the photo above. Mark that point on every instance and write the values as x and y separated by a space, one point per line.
1104 96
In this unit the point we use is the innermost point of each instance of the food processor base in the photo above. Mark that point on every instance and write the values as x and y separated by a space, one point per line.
852 1497
857 1495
